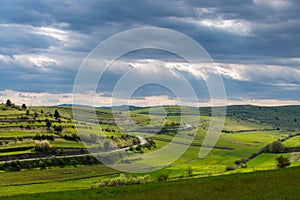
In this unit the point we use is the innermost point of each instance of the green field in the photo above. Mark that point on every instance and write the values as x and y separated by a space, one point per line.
292 142
246 132
275 184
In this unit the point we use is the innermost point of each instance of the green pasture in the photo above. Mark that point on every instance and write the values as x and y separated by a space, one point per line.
258 185
292 142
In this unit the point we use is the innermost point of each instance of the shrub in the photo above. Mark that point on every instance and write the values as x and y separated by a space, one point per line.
275 147
56 114
72 137
243 166
190 171
8 103
282 161
229 168
48 123
58 128
123 180
44 147
163 177
138 148
28 127
24 107
44 137
243 161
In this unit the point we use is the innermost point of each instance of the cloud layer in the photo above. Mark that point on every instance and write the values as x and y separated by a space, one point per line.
255 44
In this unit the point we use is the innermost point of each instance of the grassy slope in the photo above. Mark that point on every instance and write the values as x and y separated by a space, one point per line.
55 179
283 117
275 184
292 142
244 143
265 160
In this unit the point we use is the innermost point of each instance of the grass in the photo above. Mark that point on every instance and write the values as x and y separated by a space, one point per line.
55 179
248 130
282 117
240 125
259 185
265 160
61 143
16 133
12 153
292 142
18 144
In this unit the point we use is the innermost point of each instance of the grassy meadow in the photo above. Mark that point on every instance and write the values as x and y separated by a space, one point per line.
42 152
274 184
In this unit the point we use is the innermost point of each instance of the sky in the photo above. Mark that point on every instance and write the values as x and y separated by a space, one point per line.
255 45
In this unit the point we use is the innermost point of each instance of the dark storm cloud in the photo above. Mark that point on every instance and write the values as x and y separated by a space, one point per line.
271 27
265 32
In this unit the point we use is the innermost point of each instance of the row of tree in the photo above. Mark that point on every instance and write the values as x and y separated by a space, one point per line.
49 162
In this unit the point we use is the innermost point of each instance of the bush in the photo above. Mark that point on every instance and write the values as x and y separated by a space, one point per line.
138 148
243 166
229 168
163 177
244 161
8 103
72 137
275 147
48 123
190 171
58 129
44 137
44 147
56 114
123 180
282 161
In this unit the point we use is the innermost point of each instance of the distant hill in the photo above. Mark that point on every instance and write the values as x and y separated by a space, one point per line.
122 107
280 117
286 118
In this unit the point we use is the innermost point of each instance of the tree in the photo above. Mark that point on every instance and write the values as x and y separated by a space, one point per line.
138 148
8 103
276 147
44 147
58 129
27 112
56 114
48 123
24 107
190 171
282 161
162 177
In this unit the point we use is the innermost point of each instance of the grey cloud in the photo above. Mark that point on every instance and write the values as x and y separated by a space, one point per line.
273 38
